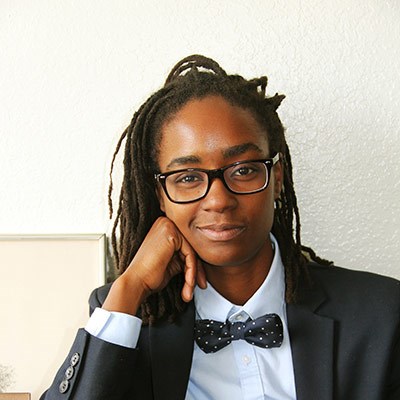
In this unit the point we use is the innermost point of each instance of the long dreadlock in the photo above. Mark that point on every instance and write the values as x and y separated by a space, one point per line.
196 77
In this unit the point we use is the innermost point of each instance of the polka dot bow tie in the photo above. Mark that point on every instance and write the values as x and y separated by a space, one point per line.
265 332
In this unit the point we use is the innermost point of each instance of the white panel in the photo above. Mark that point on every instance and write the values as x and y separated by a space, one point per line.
44 287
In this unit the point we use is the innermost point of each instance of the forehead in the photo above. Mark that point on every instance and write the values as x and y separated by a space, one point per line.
211 129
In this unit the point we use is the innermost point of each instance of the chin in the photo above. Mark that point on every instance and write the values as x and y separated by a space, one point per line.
232 255
222 259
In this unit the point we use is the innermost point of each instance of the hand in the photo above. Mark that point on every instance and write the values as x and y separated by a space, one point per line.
163 254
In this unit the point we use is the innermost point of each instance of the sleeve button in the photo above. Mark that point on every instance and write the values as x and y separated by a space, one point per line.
63 386
75 359
69 372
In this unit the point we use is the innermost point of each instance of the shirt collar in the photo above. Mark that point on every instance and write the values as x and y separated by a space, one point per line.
269 297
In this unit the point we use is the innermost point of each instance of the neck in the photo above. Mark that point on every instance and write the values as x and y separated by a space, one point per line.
239 282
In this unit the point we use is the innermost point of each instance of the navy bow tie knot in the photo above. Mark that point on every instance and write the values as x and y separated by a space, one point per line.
265 332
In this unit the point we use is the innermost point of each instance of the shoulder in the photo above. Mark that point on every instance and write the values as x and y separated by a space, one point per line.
349 287
334 275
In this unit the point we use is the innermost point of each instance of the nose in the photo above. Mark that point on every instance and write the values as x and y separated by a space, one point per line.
219 198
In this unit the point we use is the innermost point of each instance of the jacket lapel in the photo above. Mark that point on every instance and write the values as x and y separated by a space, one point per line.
171 348
312 341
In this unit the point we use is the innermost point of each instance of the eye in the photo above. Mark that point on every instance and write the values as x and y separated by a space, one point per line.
242 171
187 178
245 171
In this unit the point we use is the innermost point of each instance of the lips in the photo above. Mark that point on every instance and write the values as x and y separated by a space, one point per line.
221 232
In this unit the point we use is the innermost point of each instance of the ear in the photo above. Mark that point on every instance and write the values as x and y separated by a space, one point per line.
160 198
278 177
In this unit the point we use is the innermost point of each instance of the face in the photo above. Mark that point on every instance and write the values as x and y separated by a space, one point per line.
225 229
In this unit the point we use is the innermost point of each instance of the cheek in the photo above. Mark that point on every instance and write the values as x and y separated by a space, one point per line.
261 213
180 214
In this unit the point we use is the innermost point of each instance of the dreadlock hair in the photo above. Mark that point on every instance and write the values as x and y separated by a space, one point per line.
196 77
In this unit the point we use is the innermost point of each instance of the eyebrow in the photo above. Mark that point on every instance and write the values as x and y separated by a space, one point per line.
184 160
241 149
227 153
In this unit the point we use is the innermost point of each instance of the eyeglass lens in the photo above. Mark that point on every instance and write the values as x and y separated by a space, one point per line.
246 177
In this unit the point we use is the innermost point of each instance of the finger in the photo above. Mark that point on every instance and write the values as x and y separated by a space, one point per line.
201 275
190 268
187 289
189 283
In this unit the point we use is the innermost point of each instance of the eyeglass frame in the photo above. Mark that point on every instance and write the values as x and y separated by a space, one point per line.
217 173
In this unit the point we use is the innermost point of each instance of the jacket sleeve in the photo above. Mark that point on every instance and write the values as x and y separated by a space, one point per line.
393 389
95 369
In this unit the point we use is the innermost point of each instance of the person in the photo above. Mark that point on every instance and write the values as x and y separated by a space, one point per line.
217 297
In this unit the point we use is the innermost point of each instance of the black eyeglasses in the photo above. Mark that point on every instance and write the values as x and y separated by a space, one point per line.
192 184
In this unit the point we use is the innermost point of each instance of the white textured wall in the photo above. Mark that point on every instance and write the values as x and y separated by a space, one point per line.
73 72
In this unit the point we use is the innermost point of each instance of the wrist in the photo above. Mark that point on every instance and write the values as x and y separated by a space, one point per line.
126 296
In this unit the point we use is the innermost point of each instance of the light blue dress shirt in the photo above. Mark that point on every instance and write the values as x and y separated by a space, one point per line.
239 371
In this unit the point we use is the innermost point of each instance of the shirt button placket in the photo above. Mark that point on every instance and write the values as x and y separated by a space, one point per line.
246 359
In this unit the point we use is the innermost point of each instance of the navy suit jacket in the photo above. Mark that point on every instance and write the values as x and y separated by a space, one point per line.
344 333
